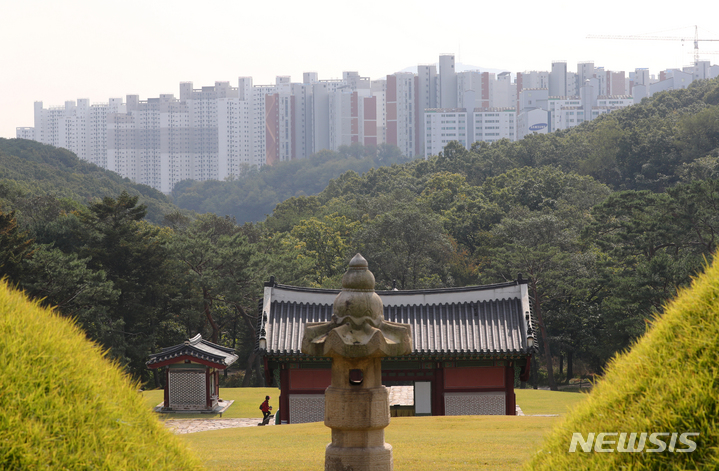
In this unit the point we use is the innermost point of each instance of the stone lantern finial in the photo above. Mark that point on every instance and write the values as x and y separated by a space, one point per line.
357 328
356 403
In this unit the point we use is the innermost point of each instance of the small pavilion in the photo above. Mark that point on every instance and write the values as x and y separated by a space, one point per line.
468 344
192 373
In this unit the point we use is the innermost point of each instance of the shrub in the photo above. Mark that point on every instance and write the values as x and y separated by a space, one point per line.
64 406
667 383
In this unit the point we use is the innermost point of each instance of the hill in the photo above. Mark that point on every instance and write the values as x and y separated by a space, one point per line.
64 406
666 385
255 194
30 169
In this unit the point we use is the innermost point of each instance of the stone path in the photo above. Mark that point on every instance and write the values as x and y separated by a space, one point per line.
203 425
520 412
398 396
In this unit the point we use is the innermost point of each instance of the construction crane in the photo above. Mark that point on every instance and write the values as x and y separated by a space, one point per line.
660 38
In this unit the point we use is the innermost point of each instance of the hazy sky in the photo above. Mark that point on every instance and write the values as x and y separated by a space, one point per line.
53 51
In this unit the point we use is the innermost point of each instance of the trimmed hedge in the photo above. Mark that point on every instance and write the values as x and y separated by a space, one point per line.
64 406
667 383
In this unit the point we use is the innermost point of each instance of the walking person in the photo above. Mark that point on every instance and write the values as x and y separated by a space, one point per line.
265 407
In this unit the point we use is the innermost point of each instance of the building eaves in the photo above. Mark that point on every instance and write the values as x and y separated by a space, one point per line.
196 348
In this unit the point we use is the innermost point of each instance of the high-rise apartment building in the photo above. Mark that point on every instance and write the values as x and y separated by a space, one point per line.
493 124
585 71
303 120
442 126
401 118
504 91
469 81
427 84
558 79
447 83
532 79
379 93
615 83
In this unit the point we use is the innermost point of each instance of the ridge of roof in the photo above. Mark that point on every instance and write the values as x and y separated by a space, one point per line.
399 306
519 281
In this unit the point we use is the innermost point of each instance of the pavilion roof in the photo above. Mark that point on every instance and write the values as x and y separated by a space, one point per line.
489 320
197 349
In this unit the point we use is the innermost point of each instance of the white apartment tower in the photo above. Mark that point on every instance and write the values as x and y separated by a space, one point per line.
258 118
379 92
585 71
302 119
447 84
426 96
615 83
491 125
401 119
558 79
532 79
470 80
504 92
444 125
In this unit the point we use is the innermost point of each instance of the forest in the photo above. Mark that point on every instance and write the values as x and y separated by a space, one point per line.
607 220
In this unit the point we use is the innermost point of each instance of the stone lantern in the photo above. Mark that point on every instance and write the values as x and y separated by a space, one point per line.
356 403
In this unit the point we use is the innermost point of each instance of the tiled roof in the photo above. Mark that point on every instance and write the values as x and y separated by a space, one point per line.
198 348
483 320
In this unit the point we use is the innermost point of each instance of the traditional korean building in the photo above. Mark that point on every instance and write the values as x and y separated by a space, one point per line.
468 345
192 373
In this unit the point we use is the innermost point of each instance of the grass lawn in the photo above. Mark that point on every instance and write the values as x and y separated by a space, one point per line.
419 443
542 401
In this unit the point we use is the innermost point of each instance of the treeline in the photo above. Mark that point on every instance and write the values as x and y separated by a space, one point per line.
607 221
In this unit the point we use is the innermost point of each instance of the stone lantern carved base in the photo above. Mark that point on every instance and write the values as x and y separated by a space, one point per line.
356 402
351 459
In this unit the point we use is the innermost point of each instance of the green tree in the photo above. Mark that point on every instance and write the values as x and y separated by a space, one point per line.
64 281
604 144
133 255
15 246
654 244
326 243
406 244
540 247
468 214
539 236
226 273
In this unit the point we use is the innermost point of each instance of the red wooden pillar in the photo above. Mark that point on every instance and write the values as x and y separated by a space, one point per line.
284 394
217 384
510 401
167 387
438 391
208 399
268 373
